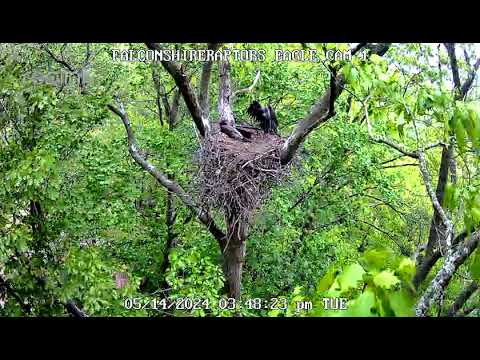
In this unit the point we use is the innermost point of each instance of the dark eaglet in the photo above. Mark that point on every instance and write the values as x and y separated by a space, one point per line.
265 116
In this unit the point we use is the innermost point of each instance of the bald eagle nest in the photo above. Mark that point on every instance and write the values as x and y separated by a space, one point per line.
237 176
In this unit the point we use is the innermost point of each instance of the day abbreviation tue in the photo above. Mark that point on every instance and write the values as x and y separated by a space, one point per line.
334 303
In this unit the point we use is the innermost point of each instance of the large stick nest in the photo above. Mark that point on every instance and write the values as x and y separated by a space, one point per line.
238 176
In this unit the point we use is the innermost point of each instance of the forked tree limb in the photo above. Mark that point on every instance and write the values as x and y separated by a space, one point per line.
447 163
181 79
323 109
58 60
247 89
319 113
461 89
453 260
203 216
79 72
471 76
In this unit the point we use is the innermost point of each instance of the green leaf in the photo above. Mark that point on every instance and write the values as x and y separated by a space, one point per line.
401 303
475 213
375 59
386 279
406 269
460 133
475 122
449 199
355 109
376 259
350 277
361 306
347 71
475 265
326 282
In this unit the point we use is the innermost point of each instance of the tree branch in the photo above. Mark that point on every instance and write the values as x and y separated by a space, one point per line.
471 76
203 95
357 48
461 89
453 64
202 215
404 251
437 228
181 79
225 95
73 309
80 72
26 308
469 309
454 259
462 298
226 118
321 111
399 165
433 196
247 89
58 60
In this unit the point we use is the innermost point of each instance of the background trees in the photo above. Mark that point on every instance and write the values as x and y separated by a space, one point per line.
383 209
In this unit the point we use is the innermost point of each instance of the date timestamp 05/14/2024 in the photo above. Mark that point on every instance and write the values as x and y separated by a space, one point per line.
204 304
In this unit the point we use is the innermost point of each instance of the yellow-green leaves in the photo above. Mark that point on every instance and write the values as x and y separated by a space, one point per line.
350 73
401 303
327 281
376 259
380 285
351 276
472 208
386 279
362 306
466 125
406 269
450 198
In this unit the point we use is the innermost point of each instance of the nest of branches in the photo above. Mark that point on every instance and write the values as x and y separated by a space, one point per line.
238 176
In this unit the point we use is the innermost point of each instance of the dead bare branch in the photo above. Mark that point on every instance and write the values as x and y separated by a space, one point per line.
247 89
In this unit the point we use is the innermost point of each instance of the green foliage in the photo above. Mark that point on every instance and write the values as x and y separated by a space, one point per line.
88 279
380 284
98 213
195 275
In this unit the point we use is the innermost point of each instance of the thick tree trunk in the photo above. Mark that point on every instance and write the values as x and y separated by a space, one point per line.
234 255
172 240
